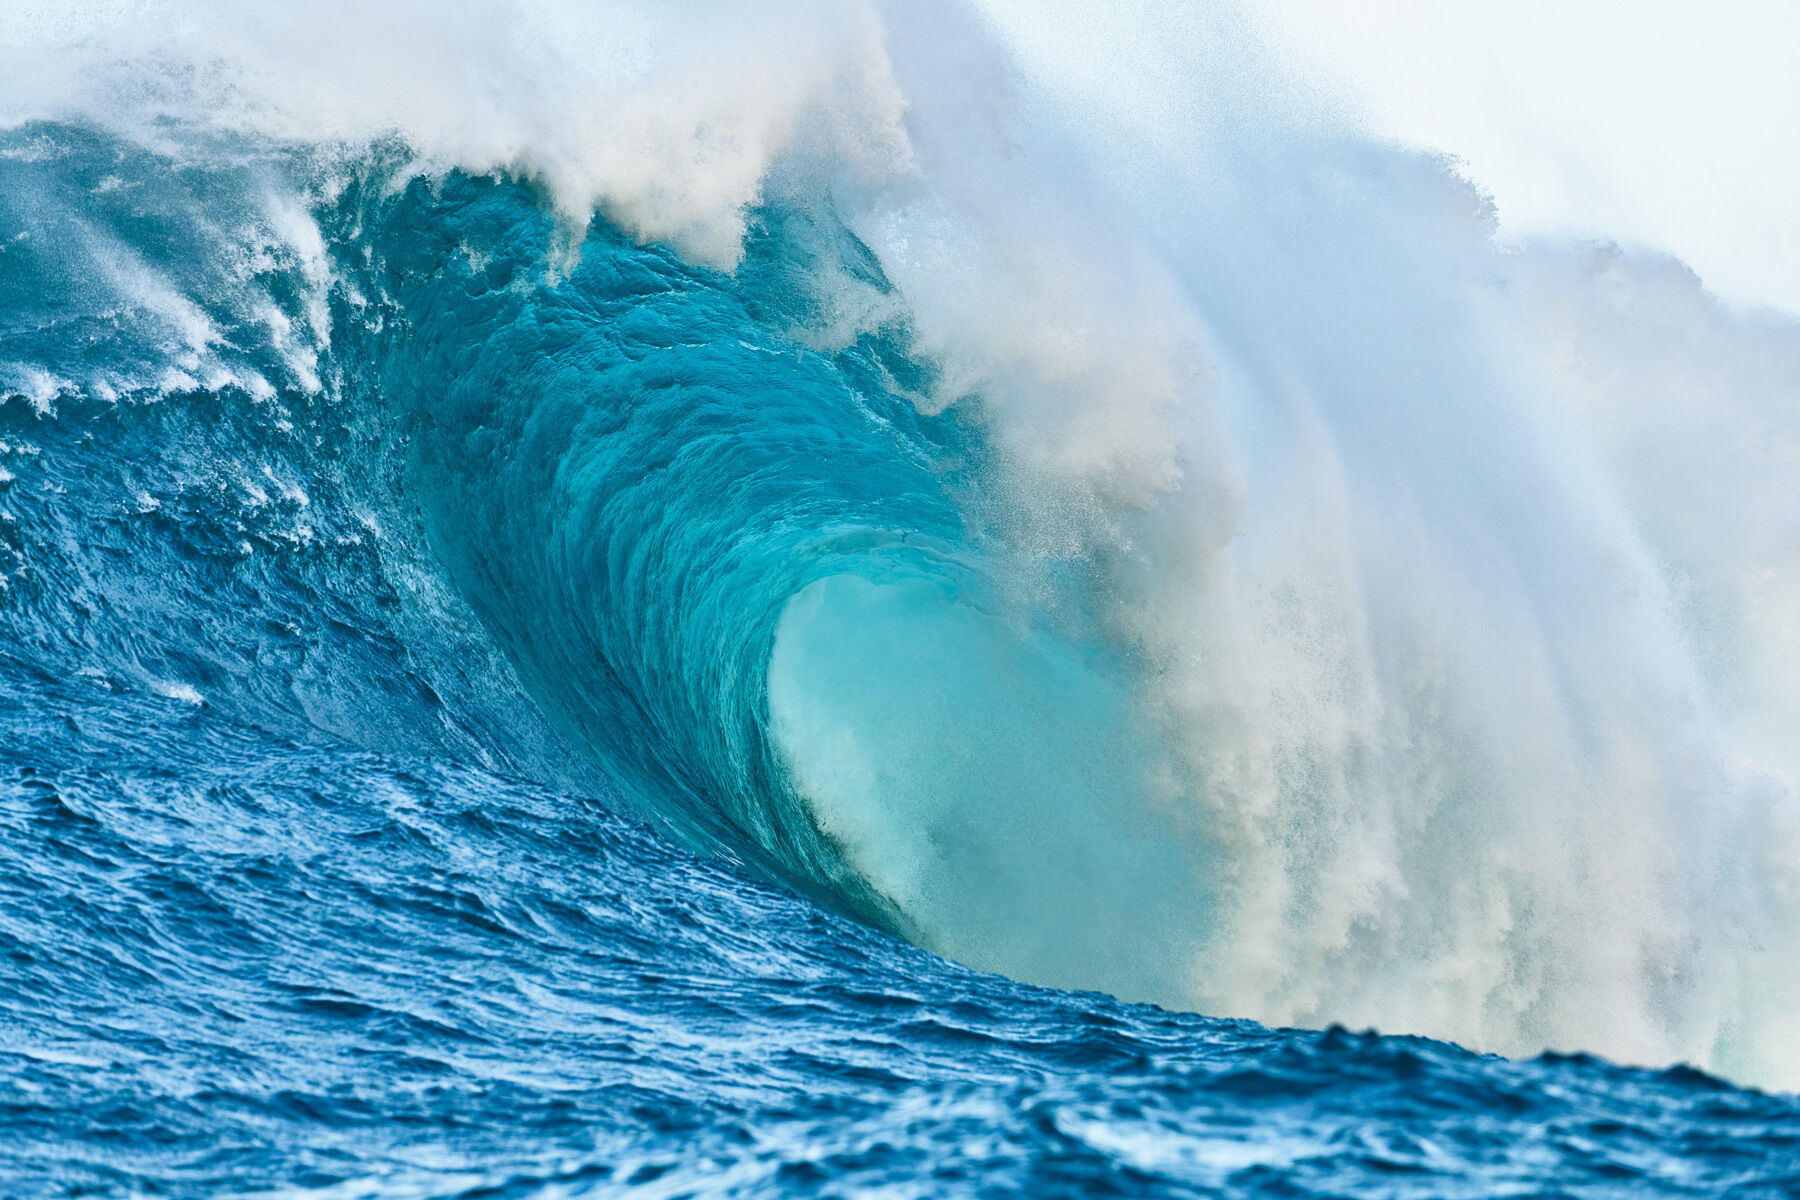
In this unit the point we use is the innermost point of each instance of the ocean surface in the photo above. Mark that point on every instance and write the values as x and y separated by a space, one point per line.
759 602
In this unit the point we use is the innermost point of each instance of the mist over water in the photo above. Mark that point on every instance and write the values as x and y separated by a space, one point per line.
1152 540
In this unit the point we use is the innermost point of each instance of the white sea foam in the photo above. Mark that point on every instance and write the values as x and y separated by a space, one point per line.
1455 578
665 119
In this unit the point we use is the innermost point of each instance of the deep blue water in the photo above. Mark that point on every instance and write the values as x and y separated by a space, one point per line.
390 806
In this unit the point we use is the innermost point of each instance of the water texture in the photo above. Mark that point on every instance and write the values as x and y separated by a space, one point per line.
573 624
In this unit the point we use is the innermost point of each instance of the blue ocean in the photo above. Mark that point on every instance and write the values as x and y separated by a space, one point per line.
760 600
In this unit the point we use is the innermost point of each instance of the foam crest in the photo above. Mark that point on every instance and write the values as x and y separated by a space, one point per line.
665 121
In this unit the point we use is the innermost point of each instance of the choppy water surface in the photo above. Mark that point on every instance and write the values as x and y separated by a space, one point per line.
240 964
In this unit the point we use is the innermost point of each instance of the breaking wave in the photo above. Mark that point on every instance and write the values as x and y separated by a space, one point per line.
1181 554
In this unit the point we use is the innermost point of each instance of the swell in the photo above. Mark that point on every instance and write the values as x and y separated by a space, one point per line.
202 500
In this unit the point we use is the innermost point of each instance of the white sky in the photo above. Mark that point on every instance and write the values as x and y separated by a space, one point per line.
1671 123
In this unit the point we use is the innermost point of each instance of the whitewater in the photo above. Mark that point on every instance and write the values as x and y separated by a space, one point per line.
726 598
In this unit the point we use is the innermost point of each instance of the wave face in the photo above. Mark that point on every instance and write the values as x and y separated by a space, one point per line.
1157 547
